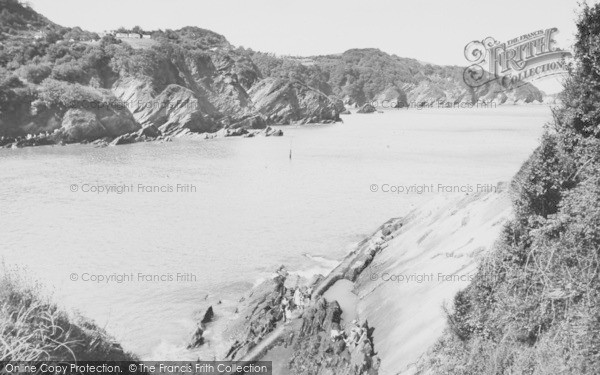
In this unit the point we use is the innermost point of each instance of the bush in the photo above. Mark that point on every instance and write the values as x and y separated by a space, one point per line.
36 73
582 91
34 329
534 305
10 81
71 72
66 95
539 184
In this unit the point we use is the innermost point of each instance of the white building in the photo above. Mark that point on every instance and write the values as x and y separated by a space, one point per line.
40 35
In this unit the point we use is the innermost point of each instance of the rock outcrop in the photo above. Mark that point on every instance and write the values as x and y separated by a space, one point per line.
427 260
259 314
316 352
312 336
367 108
87 125
442 241
208 316
392 97
187 81
314 339
291 102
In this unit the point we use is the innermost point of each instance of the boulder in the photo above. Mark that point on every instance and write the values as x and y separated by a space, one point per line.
315 352
79 125
236 132
103 142
270 132
392 97
254 122
149 131
124 139
86 125
197 339
208 316
367 108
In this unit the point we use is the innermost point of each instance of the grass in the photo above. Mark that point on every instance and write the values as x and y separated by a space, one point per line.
534 306
140 43
33 328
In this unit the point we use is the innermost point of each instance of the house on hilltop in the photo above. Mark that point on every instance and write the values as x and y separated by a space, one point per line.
129 35
40 35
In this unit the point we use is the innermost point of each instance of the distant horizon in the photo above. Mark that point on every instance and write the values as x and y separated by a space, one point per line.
316 28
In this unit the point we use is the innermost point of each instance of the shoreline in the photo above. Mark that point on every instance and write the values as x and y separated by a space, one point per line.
286 344
152 134
50 139
348 269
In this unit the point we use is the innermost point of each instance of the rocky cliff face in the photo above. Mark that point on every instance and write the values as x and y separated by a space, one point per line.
315 338
78 125
285 102
430 258
193 81
187 81
424 258
369 75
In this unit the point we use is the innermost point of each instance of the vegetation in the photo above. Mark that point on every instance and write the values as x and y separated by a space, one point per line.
534 306
16 17
191 37
357 75
34 329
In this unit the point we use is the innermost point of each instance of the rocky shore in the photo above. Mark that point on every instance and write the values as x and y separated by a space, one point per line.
148 134
447 236
317 336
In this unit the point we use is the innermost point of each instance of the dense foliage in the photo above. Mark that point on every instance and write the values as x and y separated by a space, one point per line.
32 328
357 75
534 306
45 68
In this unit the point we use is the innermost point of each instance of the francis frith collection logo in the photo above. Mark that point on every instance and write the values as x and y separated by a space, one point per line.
516 62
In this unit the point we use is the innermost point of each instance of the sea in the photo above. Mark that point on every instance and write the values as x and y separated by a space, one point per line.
142 238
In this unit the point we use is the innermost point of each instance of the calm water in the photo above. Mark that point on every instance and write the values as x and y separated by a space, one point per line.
253 208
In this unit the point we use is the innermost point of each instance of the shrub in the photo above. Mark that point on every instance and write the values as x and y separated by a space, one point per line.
36 73
34 329
71 71
539 183
66 95
534 305
582 91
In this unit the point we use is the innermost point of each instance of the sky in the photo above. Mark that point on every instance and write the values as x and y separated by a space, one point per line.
434 31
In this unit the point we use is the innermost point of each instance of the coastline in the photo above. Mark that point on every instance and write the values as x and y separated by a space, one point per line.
152 134
143 135
357 284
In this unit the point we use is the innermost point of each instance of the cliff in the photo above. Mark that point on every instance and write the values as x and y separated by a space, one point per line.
533 306
286 102
392 286
193 80
360 76
433 256
74 88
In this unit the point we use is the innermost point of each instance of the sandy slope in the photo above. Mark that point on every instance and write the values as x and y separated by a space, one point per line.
401 292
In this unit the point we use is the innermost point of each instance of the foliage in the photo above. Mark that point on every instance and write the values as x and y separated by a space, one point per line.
15 17
534 305
358 75
36 73
192 38
32 328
